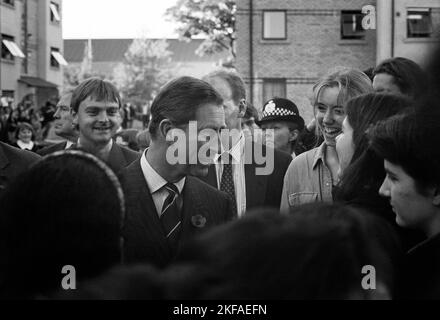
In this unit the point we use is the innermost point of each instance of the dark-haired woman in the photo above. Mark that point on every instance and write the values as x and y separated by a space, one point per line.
361 171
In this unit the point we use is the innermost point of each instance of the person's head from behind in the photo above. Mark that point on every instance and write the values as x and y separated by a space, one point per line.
400 76
25 132
52 216
63 118
361 113
282 118
409 146
182 108
95 108
233 91
317 252
331 93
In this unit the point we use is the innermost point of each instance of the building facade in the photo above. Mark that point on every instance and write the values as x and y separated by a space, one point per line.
288 44
32 60
106 55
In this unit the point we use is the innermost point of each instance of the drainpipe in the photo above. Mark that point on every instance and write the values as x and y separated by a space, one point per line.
393 15
251 52
385 30
25 28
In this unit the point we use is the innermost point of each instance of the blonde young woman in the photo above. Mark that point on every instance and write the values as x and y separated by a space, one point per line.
311 176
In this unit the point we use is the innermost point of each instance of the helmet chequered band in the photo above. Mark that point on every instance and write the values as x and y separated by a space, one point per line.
279 112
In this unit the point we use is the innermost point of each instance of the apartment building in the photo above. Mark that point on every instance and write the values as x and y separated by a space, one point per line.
31 65
288 44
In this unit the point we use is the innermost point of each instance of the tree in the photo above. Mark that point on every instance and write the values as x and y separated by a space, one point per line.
213 19
146 67
74 74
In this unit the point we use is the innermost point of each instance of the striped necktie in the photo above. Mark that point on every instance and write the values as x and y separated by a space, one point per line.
227 182
170 216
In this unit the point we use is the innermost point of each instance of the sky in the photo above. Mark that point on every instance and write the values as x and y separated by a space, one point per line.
116 19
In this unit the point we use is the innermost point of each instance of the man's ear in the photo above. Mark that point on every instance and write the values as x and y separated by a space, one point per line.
294 134
242 106
74 118
436 198
164 127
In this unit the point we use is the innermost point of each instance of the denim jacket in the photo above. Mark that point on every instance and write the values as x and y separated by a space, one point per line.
307 180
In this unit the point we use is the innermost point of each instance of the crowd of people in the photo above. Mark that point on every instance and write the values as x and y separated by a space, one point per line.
356 188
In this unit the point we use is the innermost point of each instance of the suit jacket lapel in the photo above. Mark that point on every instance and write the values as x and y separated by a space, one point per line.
192 206
211 178
255 184
148 216
116 159
4 162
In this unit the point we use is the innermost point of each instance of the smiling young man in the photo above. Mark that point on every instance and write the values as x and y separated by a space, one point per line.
409 146
95 109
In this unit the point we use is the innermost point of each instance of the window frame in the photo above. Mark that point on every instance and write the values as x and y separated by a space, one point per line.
359 34
14 51
266 81
285 24
53 18
418 11
57 65
11 5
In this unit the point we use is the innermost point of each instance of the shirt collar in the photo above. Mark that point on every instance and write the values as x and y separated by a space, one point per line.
236 151
23 145
108 147
319 155
154 180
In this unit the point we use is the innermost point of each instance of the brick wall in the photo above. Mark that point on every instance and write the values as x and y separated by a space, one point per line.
313 46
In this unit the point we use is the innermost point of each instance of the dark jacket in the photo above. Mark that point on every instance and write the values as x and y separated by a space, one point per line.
119 157
261 190
144 238
60 146
420 278
13 161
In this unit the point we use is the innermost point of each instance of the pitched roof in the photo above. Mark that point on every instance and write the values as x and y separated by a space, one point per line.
113 50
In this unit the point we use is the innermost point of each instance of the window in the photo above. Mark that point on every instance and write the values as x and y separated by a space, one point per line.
274 88
351 25
274 25
55 12
9 2
10 49
419 23
56 58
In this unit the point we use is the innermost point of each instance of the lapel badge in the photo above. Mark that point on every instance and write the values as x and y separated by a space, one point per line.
198 221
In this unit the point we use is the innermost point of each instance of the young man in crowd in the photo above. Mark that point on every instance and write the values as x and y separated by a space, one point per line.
13 161
63 126
95 109
409 146
235 171
166 205
400 76
282 116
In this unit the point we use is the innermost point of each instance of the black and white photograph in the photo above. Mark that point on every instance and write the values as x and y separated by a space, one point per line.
219 156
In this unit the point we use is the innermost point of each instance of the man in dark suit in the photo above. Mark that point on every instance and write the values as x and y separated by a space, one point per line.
95 109
13 161
63 126
166 205
242 179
